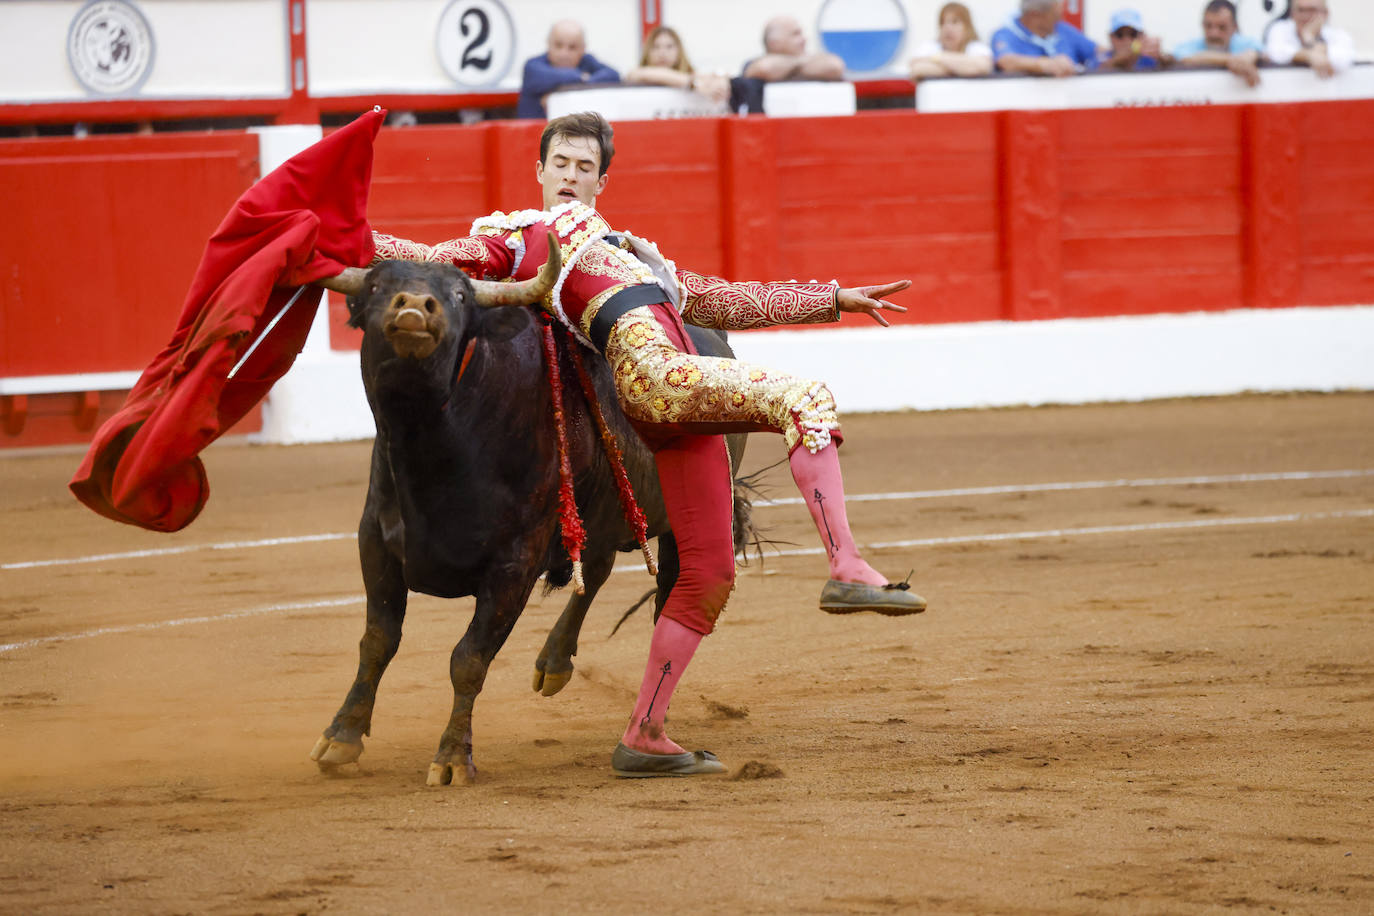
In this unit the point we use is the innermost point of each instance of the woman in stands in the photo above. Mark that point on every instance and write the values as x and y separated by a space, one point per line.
957 52
663 62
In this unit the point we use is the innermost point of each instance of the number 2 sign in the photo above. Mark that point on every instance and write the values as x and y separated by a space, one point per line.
476 42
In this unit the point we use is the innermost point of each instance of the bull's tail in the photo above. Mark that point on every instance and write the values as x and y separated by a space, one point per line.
746 532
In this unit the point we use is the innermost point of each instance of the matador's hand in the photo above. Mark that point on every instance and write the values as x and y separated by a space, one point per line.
870 299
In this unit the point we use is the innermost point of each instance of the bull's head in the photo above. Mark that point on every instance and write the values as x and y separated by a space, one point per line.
415 320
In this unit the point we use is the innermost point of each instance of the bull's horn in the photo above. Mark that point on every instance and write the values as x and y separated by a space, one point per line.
525 292
350 282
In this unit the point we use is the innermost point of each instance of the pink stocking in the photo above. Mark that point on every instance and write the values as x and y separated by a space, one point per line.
669 652
818 478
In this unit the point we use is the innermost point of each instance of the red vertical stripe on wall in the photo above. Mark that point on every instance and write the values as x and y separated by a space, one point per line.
1031 240
1073 12
300 108
749 221
1272 232
650 16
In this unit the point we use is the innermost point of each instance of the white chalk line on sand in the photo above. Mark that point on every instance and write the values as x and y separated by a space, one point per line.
762 503
1084 485
1097 529
918 542
184 621
184 548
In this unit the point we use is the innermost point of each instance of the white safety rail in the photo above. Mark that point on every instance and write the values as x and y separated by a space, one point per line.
809 100
1141 90
633 103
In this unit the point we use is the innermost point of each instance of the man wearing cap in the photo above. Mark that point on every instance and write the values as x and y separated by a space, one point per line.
1131 49
1040 43
1222 45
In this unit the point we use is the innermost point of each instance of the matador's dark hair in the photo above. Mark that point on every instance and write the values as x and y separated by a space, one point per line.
586 124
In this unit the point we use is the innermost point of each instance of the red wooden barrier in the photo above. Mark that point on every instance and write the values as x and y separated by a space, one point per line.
1333 177
994 216
100 239
99 242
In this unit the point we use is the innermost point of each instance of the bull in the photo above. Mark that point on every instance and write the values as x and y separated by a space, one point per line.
463 493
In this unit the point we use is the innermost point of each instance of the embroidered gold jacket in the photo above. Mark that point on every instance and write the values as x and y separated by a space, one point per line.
598 263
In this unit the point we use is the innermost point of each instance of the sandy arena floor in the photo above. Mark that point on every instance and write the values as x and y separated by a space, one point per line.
1151 691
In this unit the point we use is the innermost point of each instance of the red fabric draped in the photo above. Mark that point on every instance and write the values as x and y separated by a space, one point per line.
305 220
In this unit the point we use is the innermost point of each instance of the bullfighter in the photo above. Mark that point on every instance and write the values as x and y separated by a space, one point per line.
619 295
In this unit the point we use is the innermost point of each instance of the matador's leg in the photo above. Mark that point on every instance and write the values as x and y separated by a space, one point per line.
659 383
694 473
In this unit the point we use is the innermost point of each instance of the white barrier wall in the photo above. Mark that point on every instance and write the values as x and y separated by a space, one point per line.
1077 361
987 364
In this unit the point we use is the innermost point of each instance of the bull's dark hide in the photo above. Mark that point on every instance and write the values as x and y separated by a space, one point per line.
463 496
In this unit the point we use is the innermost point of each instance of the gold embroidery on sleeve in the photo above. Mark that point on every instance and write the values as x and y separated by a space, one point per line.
715 303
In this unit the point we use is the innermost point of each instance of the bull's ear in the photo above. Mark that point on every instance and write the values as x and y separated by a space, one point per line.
500 325
356 311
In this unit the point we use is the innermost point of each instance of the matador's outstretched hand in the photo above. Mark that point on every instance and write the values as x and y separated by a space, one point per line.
869 299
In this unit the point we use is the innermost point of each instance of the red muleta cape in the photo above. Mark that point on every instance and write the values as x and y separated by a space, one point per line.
306 220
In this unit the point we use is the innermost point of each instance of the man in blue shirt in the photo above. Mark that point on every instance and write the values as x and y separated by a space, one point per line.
566 62
1040 43
1222 45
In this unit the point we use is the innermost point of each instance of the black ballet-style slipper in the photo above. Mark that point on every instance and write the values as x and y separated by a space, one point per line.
628 763
895 599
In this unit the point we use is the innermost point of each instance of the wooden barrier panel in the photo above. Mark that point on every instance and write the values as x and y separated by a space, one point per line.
1332 177
1152 217
100 239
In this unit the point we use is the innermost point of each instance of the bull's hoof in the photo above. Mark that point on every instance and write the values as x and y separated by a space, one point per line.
550 682
330 753
444 774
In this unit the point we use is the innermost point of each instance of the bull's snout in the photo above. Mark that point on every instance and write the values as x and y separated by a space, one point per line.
414 324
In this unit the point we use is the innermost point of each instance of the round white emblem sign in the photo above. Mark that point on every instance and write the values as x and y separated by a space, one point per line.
110 47
475 42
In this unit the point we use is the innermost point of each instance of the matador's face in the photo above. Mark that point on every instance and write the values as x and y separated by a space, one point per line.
571 171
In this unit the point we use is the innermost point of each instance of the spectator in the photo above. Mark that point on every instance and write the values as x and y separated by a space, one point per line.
957 51
1307 40
663 62
565 63
1222 45
1131 49
1040 43
785 57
